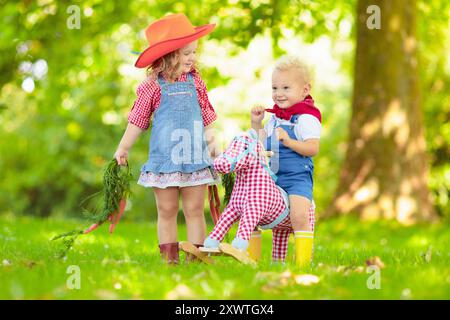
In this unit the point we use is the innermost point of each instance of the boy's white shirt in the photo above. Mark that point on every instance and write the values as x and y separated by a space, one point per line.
307 126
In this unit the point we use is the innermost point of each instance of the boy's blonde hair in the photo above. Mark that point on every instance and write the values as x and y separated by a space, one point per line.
290 62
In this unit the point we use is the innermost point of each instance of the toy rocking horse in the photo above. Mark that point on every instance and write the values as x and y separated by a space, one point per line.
256 201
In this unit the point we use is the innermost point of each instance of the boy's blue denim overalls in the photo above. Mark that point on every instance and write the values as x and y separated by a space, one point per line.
294 171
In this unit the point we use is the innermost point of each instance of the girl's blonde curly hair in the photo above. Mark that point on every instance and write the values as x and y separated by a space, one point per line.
167 65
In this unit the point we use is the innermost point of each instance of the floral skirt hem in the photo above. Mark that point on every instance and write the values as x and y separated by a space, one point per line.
178 179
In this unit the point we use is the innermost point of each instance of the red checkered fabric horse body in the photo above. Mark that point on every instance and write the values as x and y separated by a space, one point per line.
255 200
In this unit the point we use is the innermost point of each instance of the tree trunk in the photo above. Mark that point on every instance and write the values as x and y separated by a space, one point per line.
385 172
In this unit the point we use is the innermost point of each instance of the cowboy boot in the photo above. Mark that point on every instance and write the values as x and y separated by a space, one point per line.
174 253
169 252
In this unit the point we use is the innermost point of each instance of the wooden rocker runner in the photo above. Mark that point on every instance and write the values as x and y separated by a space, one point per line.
204 254
188 247
239 255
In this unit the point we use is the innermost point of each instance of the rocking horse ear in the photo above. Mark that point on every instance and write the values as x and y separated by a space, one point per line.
253 134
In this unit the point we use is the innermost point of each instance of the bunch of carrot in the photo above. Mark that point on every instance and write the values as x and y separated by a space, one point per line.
116 190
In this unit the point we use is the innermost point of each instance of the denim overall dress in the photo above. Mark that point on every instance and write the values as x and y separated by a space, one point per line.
177 141
294 171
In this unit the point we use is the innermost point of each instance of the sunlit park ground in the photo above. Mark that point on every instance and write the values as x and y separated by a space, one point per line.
413 263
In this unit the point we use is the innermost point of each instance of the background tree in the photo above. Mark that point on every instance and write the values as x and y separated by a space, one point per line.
385 172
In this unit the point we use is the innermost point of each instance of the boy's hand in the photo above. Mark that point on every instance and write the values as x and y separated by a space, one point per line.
282 135
257 114
121 156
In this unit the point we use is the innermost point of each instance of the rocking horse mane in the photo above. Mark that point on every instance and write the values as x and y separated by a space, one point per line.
250 137
252 166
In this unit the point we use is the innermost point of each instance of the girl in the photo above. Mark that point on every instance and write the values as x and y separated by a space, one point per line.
179 162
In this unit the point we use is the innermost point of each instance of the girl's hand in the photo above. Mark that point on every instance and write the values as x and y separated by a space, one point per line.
121 156
257 114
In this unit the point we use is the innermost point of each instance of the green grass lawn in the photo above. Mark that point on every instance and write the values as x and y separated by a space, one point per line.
126 265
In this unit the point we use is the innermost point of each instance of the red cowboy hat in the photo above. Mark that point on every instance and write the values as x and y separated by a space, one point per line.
168 34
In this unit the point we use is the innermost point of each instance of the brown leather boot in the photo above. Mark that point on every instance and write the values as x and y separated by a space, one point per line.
169 252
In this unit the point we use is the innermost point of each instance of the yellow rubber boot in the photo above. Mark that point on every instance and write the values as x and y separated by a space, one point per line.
254 245
303 248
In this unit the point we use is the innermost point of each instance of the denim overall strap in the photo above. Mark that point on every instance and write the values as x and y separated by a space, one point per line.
190 78
294 118
177 141
161 81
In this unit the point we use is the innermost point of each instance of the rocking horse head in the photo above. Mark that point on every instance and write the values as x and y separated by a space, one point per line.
244 151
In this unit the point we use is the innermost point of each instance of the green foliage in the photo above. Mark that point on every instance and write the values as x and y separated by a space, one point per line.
56 142
434 45
68 239
56 139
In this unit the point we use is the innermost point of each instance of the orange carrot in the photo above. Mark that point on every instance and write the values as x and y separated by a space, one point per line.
115 218
91 228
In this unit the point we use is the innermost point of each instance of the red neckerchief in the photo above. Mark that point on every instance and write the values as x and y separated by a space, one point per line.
303 107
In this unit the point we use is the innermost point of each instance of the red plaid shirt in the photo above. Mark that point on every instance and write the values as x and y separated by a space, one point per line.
149 97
